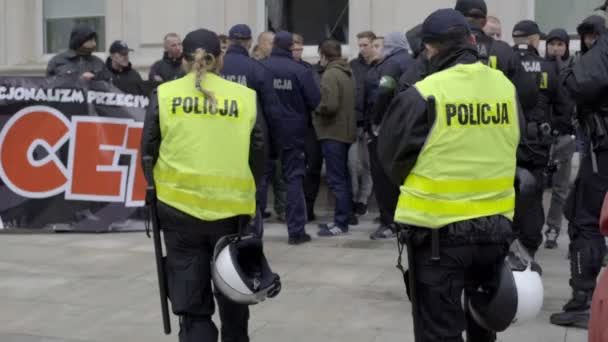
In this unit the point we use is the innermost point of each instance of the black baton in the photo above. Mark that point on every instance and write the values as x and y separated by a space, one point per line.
148 163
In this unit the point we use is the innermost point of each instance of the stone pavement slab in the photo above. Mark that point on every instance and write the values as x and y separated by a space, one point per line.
89 288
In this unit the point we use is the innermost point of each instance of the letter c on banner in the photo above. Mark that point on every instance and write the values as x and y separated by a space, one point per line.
31 128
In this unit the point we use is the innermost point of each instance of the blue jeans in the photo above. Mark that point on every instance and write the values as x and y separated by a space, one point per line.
335 154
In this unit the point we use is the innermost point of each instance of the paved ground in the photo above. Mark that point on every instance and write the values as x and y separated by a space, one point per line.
71 288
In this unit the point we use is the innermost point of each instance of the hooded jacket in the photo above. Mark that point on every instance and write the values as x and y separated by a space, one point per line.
167 68
587 80
381 81
335 117
592 24
298 96
562 35
71 62
562 123
126 74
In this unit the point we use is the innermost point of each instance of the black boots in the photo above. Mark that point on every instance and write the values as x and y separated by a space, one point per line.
576 311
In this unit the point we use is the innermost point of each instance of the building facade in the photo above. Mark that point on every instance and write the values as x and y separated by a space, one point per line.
31 31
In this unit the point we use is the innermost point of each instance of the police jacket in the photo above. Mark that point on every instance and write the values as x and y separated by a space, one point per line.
167 68
501 56
360 68
151 139
298 96
400 141
552 104
126 74
381 83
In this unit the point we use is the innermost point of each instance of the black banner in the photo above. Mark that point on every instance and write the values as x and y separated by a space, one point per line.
69 154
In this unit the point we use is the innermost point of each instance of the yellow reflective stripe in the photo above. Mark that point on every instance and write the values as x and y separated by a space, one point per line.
458 186
244 206
453 208
204 181
493 62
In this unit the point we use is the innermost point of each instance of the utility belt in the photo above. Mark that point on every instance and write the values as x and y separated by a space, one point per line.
495 229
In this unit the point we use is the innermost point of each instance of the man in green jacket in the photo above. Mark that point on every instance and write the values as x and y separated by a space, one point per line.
335 122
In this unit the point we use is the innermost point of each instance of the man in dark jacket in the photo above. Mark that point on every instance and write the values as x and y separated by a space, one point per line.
78 60
498 54
533 154
298 97
358 158
564 146
587 81
170 66
118 66
239 67
335 124
380 88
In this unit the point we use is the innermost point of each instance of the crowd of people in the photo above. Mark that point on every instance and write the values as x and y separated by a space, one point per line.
369 122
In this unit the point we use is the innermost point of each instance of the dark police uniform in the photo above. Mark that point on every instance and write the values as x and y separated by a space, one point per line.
533 153
446 161
206 159
298 97
239 67
587 81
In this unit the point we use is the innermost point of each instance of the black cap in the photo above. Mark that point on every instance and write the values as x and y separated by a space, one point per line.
119 46
440 24
283 40
526 28
240 31
559 34
201 39
472 8
592 24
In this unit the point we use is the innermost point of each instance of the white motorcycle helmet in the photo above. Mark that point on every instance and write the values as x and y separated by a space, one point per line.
515 296
241 272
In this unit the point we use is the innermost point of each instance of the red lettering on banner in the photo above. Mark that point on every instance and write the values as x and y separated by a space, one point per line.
95 148
136 193
31 128
95 169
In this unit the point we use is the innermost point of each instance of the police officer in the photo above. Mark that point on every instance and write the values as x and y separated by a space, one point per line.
533 154
240 68
564 146
587 81
207 145
298 97
447 160
380 87
498 54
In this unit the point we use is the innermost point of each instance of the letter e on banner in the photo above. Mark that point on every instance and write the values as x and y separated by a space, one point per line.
95 148
22 137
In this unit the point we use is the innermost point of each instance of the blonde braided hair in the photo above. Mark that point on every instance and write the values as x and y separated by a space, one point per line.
202 63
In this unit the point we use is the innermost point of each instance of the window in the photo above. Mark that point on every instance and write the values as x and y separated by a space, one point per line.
60 16
566 14
316 20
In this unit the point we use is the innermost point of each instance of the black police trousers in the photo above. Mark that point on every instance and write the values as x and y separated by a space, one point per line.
463 266
529 216
387 193
190 243
583 207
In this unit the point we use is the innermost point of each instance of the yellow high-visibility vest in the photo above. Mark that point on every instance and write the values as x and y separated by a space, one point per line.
203 164
466 168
